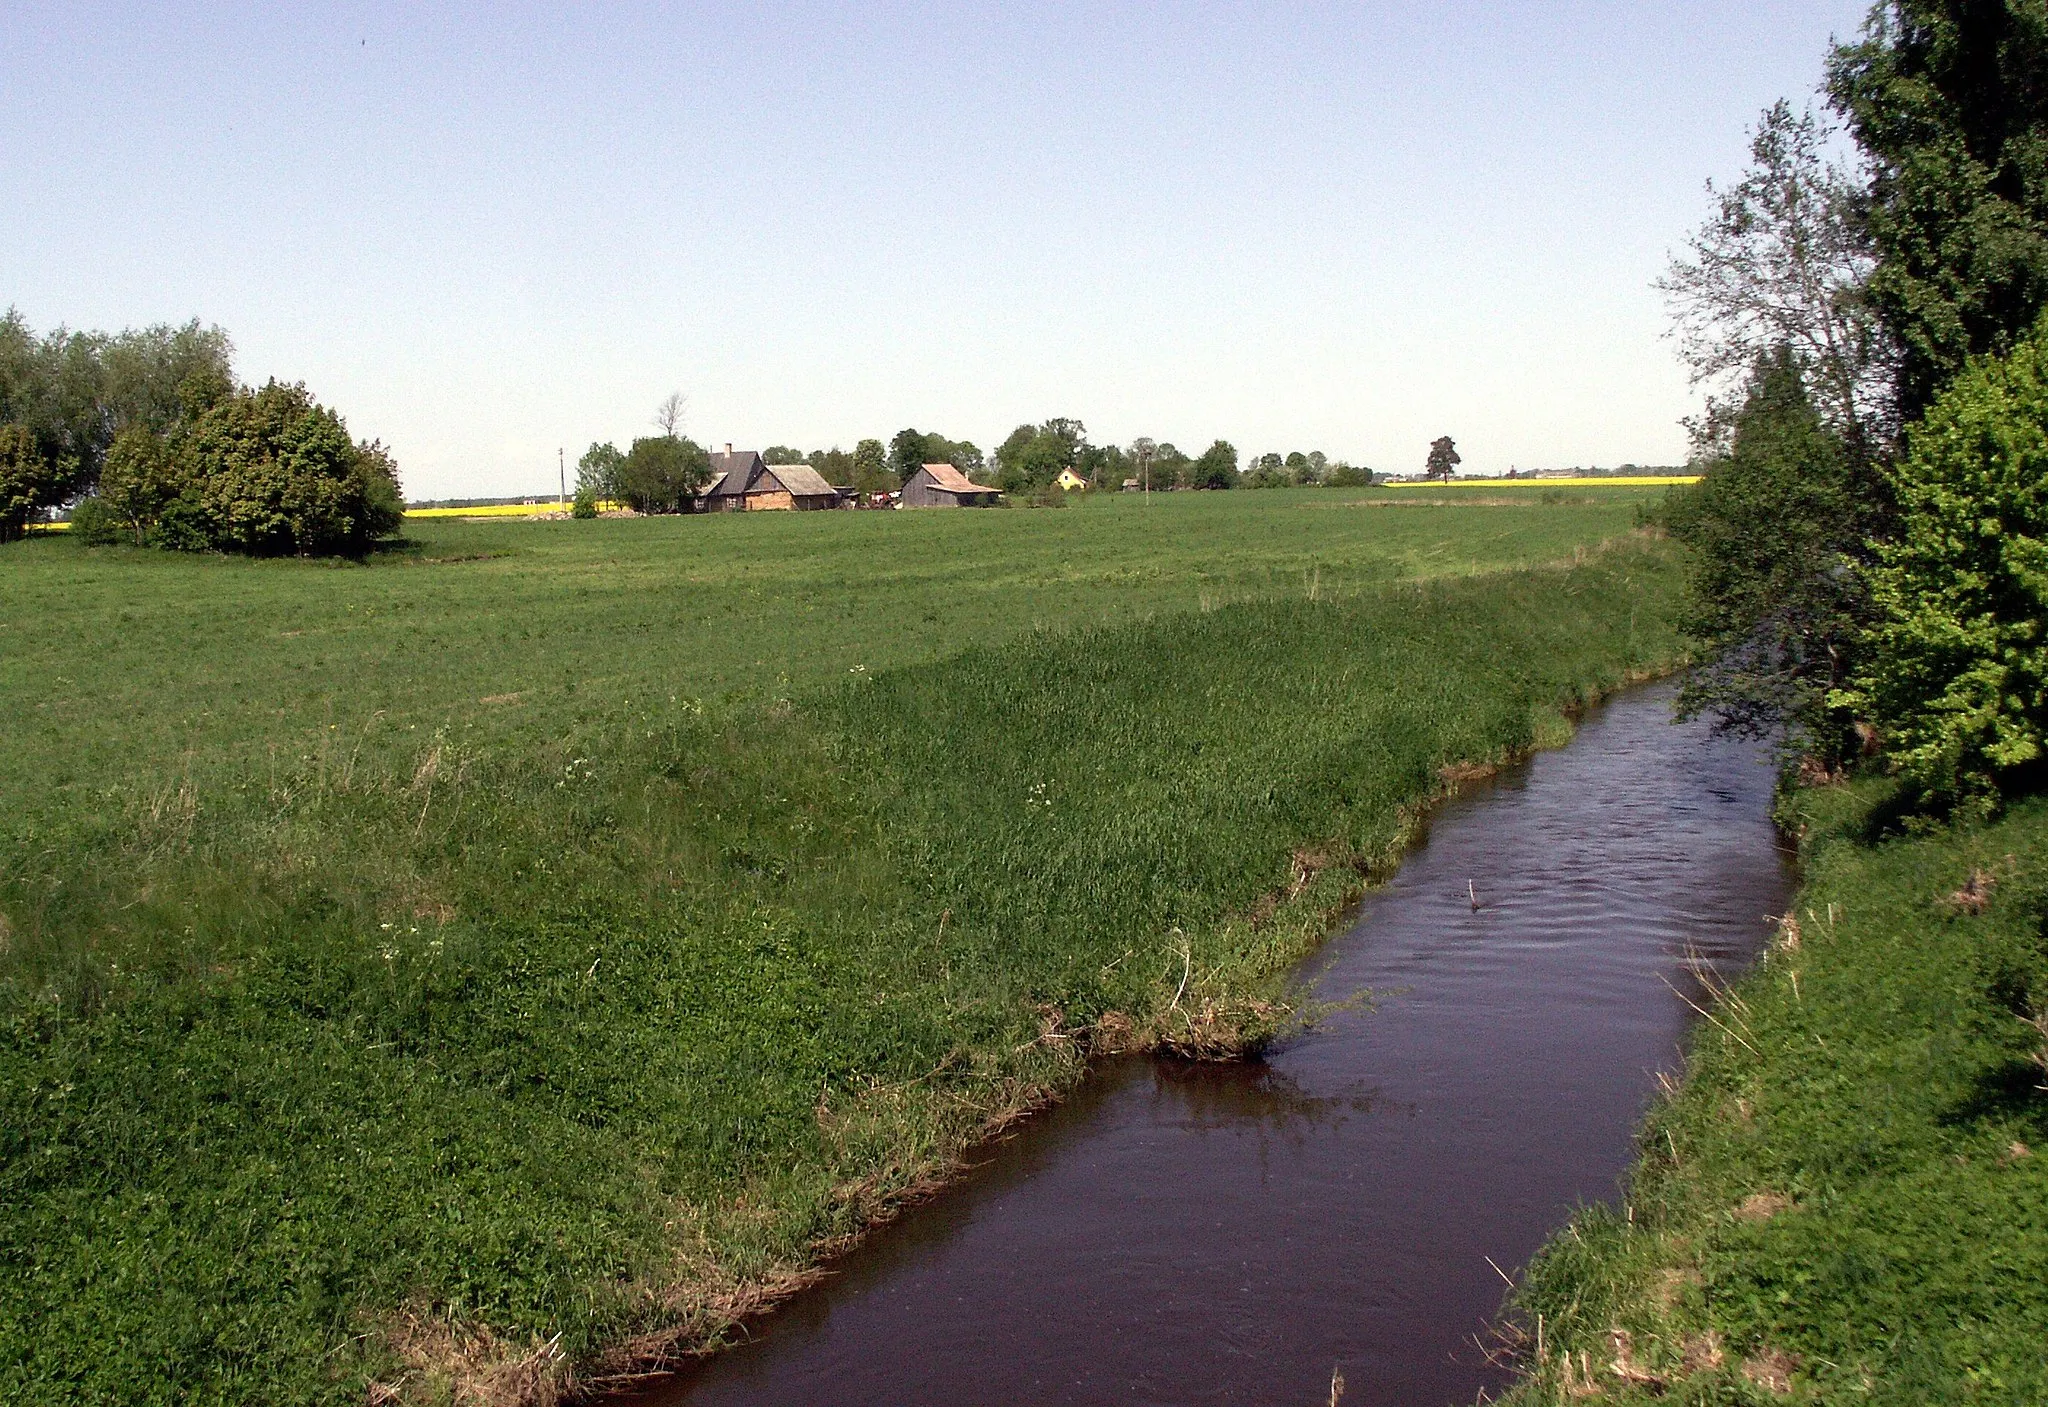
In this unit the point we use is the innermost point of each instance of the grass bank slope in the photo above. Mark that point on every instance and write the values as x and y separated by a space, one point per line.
472 1054
1847 1199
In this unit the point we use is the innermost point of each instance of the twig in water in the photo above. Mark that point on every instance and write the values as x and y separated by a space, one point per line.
1472 890
1336 1379
1504 1279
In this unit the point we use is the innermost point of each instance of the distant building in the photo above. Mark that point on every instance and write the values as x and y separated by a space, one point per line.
746 482
943 486
1070 481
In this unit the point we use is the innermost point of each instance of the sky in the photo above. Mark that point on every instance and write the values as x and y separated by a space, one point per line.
486 234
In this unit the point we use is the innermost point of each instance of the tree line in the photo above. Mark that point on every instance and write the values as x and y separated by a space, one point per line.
662 473
1870 535
150 436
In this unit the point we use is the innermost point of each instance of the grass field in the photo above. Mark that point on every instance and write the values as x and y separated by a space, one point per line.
1847 1200
516 956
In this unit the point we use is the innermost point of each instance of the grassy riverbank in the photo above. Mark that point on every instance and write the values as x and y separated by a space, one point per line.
523 954
1847 1199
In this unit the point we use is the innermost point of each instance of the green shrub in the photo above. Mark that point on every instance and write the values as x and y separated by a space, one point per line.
97 525
1956 678
585 504
276 474
663 474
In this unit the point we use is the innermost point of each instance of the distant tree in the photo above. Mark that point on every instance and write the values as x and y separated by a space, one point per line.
784 454
1216 468
1318 465
1171 468
599 472
1345 476
663 474
1785 261
871 468
1443 458
31 479
835 465
668 416
1104 466
1268 471
1034 455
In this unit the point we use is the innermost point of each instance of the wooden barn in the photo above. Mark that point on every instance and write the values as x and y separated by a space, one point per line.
943 486
745 482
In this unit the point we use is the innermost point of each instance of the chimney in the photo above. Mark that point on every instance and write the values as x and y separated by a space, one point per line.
728 449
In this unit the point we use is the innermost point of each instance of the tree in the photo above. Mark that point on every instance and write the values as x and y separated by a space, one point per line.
1443 458
663 474
599 473
1318 465
669 414
1034 455
1949 101
1216 468
1956 671
871 467
272 472
835 465
1345 476
1268 471
30 479
1784 261
1171 468
783 454
1779 527
143 477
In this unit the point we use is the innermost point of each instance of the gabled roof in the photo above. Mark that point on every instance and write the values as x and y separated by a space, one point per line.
946 477
733 473
801 479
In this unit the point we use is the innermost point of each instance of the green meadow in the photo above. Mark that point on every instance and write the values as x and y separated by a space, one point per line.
491 967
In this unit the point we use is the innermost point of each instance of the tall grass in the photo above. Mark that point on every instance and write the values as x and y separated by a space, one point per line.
476 1057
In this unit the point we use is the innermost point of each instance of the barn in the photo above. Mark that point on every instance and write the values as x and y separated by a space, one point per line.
745 482
943 486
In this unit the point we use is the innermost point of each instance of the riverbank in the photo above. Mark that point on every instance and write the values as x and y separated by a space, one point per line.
458 1061
1847 1196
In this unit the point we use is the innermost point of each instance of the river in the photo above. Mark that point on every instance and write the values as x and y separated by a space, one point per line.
1230 1234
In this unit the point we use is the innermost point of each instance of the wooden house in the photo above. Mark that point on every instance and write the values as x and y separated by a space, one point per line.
745 482
943 486
1070 481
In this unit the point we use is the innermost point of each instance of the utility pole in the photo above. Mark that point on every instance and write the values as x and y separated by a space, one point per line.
562 474
1144 446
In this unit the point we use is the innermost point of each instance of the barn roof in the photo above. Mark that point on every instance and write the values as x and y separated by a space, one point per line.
946 477
801 479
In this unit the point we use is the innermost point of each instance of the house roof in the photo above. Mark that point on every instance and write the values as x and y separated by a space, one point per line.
946 477
733 474
801 479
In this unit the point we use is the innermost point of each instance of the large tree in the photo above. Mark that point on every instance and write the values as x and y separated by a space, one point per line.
1443 458
1784 262
1948 100
1216 468
71 393
663 474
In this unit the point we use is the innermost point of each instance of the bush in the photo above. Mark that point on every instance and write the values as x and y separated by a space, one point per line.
585 504
274 473
1956 677
96 525
1348 476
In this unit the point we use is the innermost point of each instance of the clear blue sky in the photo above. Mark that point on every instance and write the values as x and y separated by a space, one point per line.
486 233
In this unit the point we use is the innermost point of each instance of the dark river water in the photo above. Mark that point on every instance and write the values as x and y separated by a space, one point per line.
1194 1234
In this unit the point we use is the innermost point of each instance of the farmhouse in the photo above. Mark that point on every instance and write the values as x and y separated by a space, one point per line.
744 481
1070 481
943 486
